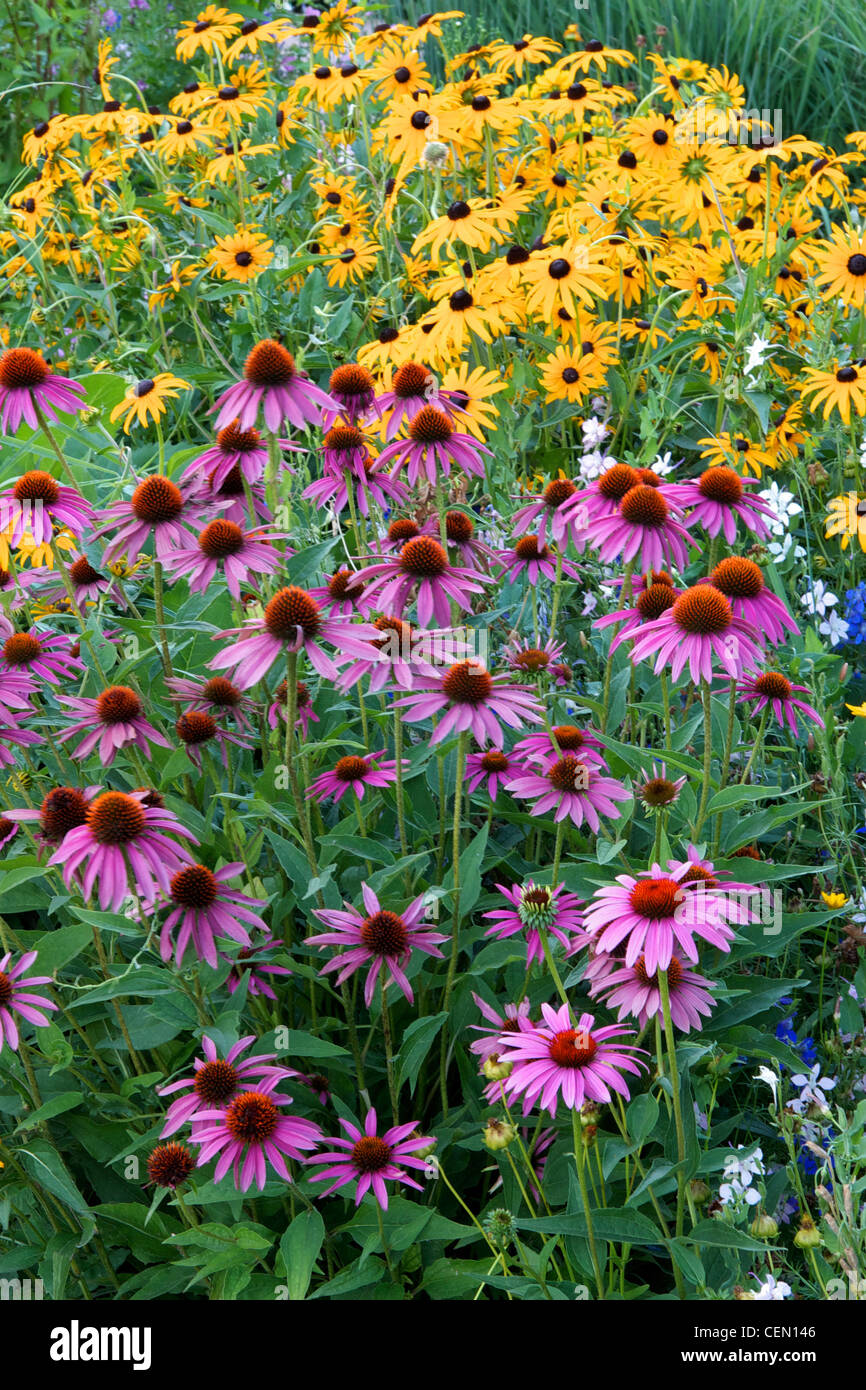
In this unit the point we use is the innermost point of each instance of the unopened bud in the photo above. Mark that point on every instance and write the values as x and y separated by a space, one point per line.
808 1236
498 1134
700 1192
764 1227
494 1070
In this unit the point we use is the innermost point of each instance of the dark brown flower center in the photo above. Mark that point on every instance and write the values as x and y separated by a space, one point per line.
774 685
195 886
351 769
458 528
702 610
385 934
675 973
371 1154
721 485
568 774
423 557
494 761
251 1118
220 691
344 438
290 609
157 500
216 1082
351 381
169 1165
430 426
403 529
82 572
21 369
558 492
531 548
221 538
654 601
643 506
857 264
615 482
411 380
531 659
572 1047
195 726
467 683
118 705
658 791
738 577
36 486
270 364
64 809
655 898
21 648
237 441
115 818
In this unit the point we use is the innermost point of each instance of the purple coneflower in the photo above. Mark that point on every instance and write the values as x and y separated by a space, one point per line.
422 561
254 963
383 940
530 658
292 622
773 689
62 809
432 447
250 1133
16 999
470 699
571 787
555 1058
10 737
402 654
697 629
47 655
110 721
123 841
536 909
217 696
650 603
532 557
642 528
343 596
656 791
414 388
225 546
354 392
717 499
374 485
16 687
742 583
354 773
27 383
272 381
551 510
37 504
202 907
216 1081
634 990
88 585
159 509
245 450
585 744
652 911
279 707
195 728
601 499
488 1044
494 767
460 533
345 449
372 1159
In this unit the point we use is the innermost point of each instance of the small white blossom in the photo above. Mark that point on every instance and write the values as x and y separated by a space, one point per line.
783 504
594 433
835 628
813 1087
772 1290
818 599
769 1078
593 465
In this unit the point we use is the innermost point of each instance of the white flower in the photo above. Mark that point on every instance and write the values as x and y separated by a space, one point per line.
593 465
783 504
590 603
772 1289
818 599
594 433
756 353
780 550
835 628
770 1078
662 465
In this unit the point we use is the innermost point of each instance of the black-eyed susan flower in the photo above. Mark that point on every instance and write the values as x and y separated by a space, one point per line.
146 399
846 518
397 72
568 374
210 32
184 137
737 451
841 266
563 276
242 256
353 262
839 390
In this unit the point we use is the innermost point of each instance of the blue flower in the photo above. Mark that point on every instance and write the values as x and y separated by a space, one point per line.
855 613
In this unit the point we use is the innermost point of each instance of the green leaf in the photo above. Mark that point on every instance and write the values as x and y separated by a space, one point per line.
642 1115
299 1250
724 1237
46 1166
56 1106
306 1045
417 1041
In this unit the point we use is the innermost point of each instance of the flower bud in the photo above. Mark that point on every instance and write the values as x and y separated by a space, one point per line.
700 1191
498 1135
494 1070
808 1236
764 1227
